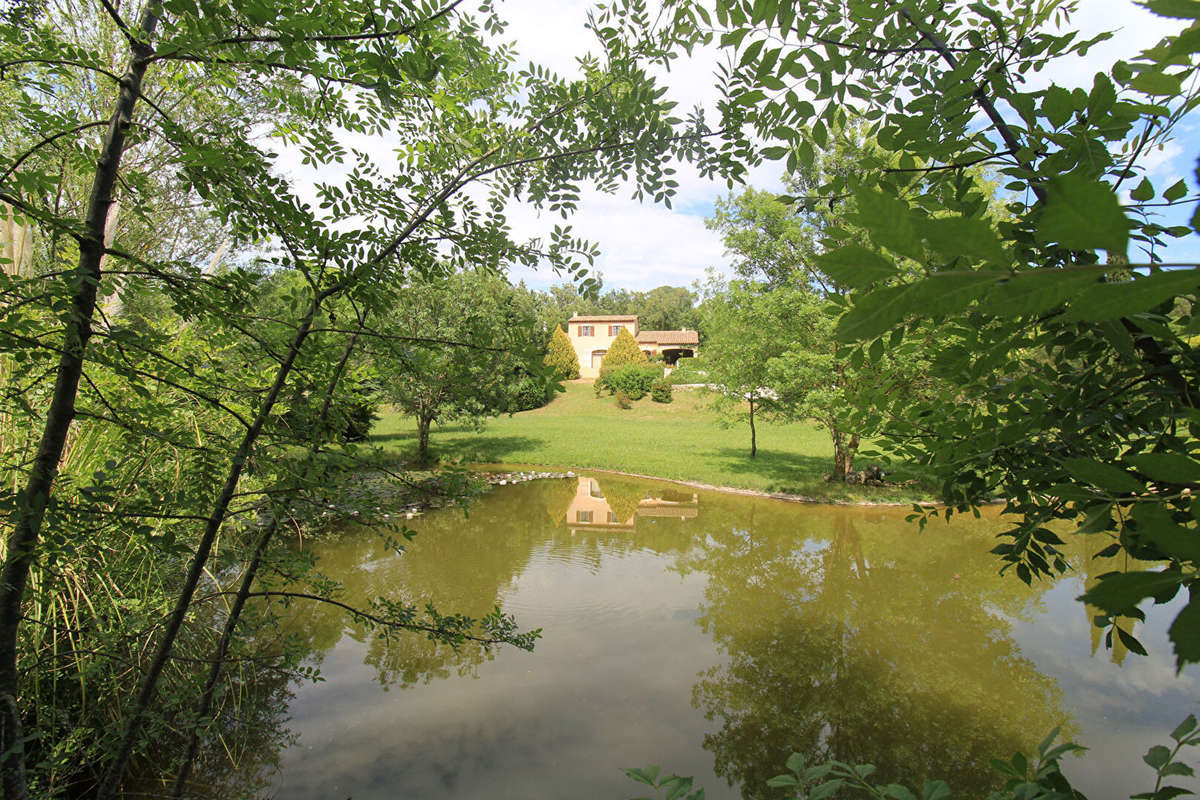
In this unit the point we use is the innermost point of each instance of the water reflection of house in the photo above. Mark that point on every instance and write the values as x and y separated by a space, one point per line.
591 510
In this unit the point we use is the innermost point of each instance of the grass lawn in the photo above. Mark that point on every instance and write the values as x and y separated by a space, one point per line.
683 440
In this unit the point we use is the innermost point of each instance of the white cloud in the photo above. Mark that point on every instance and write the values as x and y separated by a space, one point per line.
645 245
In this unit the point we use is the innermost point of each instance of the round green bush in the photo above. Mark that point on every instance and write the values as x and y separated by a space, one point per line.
660 392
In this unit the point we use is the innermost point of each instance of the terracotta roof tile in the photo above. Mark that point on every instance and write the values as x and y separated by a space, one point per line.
605 318
669 337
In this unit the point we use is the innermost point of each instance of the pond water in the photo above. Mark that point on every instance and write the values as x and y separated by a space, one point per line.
713 634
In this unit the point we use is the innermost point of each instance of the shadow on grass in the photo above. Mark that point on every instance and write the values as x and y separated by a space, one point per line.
456 443
780 467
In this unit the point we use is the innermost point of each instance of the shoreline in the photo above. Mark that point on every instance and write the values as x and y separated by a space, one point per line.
515 469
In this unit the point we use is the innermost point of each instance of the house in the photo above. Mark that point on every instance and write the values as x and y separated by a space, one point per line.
591 337
590 509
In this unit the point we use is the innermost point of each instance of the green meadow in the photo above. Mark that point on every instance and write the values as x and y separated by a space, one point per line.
682 440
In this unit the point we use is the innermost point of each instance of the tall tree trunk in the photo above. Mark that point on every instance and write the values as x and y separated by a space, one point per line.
840 464
112 779
843 453
753 434
31 506
239 603
214 671
423 422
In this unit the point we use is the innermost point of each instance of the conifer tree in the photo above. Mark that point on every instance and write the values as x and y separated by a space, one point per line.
624 350
561 355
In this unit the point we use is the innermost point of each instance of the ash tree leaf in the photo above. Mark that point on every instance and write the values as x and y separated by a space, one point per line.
1185 634
1167 467
941 293
1083 214
963 236
855 266
1130 641
1122 591
1106 301
1179 9
1157 83
889 221
1175 191
1175 541
1038 291
1101 475
1144 191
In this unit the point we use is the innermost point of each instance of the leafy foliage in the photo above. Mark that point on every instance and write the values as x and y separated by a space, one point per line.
164 391
561 356
1065 357
633 380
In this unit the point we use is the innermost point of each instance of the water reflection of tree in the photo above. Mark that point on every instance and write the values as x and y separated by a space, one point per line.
865 643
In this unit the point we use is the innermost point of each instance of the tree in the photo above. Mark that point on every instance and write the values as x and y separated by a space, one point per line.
459 349
561 356
813 375
623 350
155 434
744 328
1073 377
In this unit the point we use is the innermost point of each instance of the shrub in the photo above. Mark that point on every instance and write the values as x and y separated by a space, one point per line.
660 391
561 356
687 370
623 350
623 400
529 393
635 380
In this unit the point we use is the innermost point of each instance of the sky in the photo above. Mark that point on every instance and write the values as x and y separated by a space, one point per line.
644 245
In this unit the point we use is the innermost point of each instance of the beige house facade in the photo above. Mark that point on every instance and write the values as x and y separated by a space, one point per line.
589 509
591 336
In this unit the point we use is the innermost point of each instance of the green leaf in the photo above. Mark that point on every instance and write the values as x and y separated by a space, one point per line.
855 266
1167 467
1097 520
1049 740
935 790
1144 191
1176 768
1180 9
826 789
1037 291
964 236
1175 191
1103 476
1106 301
1184 728
1131 643
1122 591
780 781
1083 214
795 763
1185 633
944 292
898 792
1157 84
1157 756
1057 106
889 221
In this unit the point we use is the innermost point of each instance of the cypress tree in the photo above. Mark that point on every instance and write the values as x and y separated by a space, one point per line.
561 355
624 350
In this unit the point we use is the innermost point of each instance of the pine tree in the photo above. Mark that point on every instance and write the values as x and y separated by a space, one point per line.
561 355
624 350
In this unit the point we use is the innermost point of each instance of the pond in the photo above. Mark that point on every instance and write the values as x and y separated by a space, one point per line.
713 634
